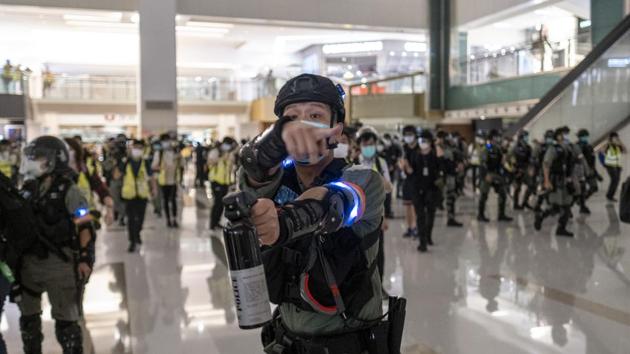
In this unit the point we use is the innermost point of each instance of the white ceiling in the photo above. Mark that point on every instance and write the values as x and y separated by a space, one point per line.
88 41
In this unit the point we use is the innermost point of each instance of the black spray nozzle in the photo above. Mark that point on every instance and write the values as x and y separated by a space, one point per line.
238 205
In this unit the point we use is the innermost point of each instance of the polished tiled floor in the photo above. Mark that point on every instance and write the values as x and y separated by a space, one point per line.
499 288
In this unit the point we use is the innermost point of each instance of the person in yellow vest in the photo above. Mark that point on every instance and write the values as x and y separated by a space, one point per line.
221 175
613 152
167 163
8 160
137 186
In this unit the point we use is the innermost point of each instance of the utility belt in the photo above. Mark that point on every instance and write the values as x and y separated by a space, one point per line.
381 337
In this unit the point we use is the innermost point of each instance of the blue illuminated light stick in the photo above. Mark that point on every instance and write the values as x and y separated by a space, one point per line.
81 212
356 201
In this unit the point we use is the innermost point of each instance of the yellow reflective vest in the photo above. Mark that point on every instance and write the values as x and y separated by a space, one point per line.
84 186
162 175
221 172
6 168
613 156
135 186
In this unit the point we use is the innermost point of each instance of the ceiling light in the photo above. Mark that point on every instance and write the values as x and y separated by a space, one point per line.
363 80
352 47
198 78
392 53
472 57
109 17
416 54
415 47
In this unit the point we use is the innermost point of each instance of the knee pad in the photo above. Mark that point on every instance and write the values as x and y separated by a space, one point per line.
69 336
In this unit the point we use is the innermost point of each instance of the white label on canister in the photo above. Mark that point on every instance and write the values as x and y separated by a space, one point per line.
251 296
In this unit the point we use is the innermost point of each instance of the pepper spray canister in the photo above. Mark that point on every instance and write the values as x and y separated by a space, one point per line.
247 272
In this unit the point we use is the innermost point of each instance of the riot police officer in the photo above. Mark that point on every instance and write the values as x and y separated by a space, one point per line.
60 261
451 165
589 183
300 198
539 157
557 171
520 155
492 175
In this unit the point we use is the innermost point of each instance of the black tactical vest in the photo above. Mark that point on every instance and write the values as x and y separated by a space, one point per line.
562 165
51 214
344 251
494 159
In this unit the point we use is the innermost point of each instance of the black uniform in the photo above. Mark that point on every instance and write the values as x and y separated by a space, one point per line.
426 171
521 154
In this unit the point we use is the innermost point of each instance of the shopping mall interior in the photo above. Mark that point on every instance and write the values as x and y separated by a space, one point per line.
201 71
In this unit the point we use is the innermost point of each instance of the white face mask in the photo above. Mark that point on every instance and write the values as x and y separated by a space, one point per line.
226 147
31 169
408 139
136 154
424 145
341 151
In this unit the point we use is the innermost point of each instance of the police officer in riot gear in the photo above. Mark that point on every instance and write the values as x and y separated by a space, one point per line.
61 260
588 186
492 175
521 155
557 171
327 287
451 165
539 156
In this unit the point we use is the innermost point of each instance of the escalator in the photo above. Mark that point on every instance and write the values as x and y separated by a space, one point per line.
595 95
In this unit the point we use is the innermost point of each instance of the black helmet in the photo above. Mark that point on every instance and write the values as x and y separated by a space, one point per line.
559 131
582 132
522 134
52 149
309 87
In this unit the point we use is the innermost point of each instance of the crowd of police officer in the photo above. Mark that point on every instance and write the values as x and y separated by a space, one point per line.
546 175
54 195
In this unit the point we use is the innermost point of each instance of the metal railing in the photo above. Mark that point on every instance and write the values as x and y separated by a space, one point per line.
124 88
515 61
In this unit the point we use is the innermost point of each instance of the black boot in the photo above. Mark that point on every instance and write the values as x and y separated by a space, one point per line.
561 231
454 223
69 336
482 218
32 337
132 247
505 218
538 220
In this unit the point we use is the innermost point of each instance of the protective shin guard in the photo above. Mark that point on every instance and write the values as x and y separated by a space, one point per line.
69 336
32 337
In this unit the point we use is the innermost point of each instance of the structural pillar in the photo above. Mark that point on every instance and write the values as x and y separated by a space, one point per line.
439 34
605 15
157 105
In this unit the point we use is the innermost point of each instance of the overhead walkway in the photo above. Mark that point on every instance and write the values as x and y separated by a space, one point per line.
595 95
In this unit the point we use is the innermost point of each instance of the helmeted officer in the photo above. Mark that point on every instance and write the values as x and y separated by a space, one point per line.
451 165
492 175
520 156
61 261
557 170
589 184
327 287
539 156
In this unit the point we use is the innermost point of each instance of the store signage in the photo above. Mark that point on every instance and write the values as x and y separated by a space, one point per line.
356 47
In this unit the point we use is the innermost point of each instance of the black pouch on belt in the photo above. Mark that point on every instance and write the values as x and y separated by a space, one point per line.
377 338
396 318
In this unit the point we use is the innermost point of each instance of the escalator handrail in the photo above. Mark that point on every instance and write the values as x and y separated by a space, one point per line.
550 97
